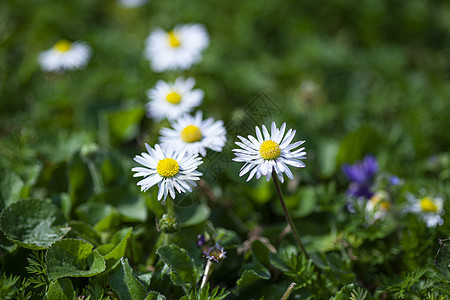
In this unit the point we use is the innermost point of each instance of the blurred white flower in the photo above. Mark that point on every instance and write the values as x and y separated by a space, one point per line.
132 3
378 206
170 169
172 100
429 208
269 152
194 135
177 49
65 55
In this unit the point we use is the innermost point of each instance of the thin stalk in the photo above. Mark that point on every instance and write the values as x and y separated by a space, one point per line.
287 215
96 177
206 273
288 291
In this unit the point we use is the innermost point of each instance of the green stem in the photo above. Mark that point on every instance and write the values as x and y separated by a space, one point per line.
96 178
287 215
206 273
288 291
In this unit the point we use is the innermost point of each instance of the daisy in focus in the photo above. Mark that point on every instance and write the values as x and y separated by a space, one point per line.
170 169
172 100
269 152
430 209
177 49
194 135
65 55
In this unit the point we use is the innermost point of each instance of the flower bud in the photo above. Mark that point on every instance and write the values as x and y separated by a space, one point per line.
168 223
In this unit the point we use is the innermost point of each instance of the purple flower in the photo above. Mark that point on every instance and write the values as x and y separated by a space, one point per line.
394 180
361 175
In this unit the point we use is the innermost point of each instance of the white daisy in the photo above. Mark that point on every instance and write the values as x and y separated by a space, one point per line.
429 208
65 55
269 152
177 49
170 169
194 135
132 3
378 206
172 100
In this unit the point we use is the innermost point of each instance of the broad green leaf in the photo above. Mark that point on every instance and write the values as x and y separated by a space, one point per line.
251 274
100 215
33 223
358 143
86 232
80 180
61 289
125 284
122 124
117 247
182 268
11 186
130 205
189 216
442 260
73 258
152 295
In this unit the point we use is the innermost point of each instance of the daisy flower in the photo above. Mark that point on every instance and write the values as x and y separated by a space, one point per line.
194 135
429 208
172 100
378 206
269 152
177 49
65 55
215 253
170 169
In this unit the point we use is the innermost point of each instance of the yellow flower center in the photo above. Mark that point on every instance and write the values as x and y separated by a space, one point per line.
173 40
167 167
191 134
378 198
173 97
269 150
427 205
63 45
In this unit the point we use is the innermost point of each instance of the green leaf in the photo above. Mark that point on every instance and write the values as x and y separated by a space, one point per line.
189 216
82 230
122 124
358 143
61 289
125 284
100 215
73 258
116 249
152 295
182 268
33 223
252 273
442 260
10 187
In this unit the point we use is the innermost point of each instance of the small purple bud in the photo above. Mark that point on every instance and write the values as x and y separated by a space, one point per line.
200 240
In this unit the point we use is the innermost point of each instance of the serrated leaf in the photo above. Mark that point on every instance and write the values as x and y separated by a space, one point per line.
73 258
152 295
33 223
61 289
182 268
442 260
251 274
125 284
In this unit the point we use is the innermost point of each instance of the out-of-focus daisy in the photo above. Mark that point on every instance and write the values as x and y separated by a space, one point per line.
132 3
65 55
429 208
269 152
361 175
172 100
194 135
177 49
215 253
170 169
378 206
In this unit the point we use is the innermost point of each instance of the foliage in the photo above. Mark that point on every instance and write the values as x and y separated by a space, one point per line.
352 78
